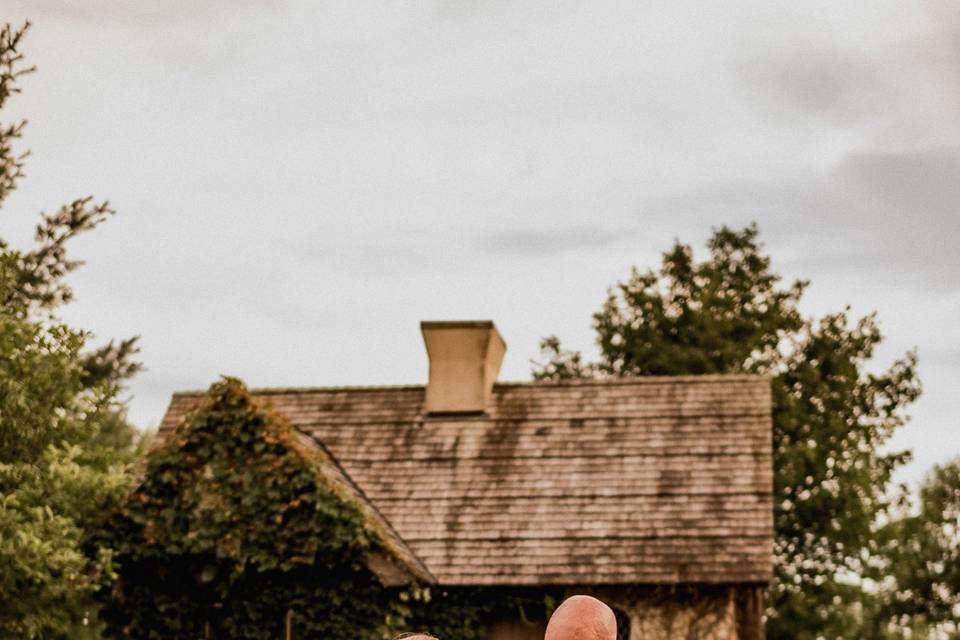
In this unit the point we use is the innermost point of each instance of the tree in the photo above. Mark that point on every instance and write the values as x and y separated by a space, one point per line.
919 573
65 444
730 314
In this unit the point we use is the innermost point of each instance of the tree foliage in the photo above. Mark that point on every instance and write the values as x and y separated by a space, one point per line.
237 522
919 572
65 445
730 313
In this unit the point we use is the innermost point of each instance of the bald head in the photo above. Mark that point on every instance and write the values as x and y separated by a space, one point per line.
582 618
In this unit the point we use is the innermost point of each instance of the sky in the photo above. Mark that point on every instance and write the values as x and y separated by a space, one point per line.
298 184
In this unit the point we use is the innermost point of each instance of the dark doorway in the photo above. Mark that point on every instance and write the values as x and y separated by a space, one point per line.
623 624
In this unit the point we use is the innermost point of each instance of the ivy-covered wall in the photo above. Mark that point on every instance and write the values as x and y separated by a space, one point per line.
233 526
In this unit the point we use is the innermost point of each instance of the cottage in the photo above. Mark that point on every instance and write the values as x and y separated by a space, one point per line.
655 494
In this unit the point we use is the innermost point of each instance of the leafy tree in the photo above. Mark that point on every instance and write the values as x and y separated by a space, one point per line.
731 314
65 445
919 573
238 520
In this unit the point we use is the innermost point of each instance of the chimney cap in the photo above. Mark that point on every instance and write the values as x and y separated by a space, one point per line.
465 357
456 324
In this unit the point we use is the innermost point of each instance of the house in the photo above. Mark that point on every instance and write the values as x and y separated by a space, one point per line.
653 493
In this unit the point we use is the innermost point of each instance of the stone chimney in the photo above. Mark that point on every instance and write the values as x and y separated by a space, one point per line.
465 358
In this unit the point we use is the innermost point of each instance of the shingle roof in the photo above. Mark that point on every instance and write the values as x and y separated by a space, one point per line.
656 480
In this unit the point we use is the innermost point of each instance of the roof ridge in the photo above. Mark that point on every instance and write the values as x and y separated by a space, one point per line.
703 378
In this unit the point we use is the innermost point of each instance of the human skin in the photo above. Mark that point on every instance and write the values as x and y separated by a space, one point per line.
582 618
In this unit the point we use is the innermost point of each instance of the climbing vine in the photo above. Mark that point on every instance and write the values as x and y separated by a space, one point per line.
236 531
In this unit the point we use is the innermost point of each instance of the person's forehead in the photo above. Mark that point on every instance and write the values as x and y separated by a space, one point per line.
582 618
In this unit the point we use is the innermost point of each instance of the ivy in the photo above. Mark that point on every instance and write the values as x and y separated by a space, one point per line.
235 527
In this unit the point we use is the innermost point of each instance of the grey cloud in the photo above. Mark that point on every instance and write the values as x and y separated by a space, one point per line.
381 259
908 213
896 216
898 80
145 13
923 185
192 37
547 241
837 85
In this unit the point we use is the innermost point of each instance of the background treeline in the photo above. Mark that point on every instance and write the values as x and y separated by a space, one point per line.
855 556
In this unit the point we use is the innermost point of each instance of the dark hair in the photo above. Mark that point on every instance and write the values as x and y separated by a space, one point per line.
414 634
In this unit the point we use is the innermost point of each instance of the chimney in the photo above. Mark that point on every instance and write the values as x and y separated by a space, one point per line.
465 358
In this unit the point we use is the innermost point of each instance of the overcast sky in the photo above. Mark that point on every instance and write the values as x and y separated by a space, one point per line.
300 183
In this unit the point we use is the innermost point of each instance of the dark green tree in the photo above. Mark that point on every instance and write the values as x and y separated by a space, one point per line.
65 444
730 313
919 575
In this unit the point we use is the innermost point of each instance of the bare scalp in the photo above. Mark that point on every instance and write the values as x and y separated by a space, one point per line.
582 618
